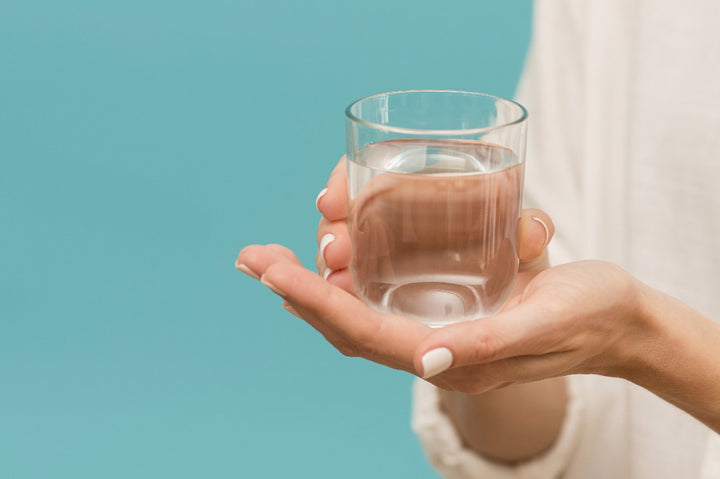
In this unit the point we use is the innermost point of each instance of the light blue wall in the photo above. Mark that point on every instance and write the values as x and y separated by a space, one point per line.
142 144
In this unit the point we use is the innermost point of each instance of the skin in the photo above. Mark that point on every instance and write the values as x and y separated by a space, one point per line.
588 317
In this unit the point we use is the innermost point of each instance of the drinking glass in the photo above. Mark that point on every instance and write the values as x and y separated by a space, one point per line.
435 181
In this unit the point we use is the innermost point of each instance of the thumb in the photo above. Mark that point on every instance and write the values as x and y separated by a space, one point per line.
520 331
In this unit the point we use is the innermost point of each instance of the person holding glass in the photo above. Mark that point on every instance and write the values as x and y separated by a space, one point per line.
592 369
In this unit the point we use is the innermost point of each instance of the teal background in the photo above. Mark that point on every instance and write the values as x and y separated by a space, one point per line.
142 144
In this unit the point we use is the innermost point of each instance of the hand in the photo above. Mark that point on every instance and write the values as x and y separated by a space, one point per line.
578 318
352 327
575 318
585 317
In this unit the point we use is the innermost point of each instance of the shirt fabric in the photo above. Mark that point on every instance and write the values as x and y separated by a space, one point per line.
624 154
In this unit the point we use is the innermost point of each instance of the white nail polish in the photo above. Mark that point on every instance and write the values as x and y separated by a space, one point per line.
245 269
327 273
547 230
436 361
324 241
320 195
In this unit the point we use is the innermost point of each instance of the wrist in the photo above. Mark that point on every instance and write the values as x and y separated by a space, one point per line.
638 332
646 336
512 424
675 354
656 338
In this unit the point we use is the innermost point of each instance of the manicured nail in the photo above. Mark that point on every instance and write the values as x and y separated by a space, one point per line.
436 361
271 286
547 230
290 309
324 241
327 273
320 195
244 268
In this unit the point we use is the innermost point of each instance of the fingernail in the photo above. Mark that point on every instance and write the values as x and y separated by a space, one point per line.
547 230
324 241
290 309
436 361
327 273
320 195
271 286
244 268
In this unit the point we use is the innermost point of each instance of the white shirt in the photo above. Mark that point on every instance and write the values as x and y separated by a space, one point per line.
624 154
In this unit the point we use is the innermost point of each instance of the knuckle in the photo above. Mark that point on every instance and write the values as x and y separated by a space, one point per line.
487 346
279 275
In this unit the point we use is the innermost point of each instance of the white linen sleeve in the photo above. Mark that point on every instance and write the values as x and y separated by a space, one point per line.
711 463
445 450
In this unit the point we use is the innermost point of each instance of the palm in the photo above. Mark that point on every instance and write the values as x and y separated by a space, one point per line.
357 330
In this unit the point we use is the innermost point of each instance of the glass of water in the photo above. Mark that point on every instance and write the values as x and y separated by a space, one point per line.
435 183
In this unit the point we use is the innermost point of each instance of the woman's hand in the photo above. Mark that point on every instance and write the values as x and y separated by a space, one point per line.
585 317
576 318
355 329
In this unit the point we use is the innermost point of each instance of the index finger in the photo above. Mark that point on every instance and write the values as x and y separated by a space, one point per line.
333 203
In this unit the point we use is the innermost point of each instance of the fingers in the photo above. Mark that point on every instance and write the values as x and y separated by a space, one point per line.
352 327
332 200
253 260
535 230
341 278
334 246
334 254
522 331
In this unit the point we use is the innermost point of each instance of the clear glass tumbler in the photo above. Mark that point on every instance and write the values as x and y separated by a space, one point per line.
435 183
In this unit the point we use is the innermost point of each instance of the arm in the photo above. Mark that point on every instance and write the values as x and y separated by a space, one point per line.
512 424
680 360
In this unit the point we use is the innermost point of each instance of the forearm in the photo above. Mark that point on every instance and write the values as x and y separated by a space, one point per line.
680 360
512 424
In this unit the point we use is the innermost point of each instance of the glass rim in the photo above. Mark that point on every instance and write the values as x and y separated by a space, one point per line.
416 131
